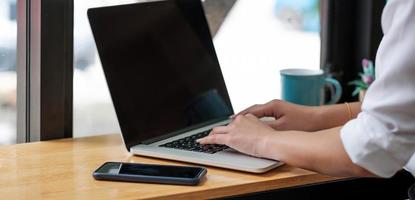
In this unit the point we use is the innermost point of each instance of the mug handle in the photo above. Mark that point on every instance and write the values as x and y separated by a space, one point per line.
336 90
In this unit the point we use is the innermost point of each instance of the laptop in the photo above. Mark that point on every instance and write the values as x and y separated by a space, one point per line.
166 83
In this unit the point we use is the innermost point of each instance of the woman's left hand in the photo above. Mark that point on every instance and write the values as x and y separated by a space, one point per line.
246 133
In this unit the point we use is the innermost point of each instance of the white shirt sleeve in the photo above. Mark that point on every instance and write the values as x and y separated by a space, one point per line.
382 138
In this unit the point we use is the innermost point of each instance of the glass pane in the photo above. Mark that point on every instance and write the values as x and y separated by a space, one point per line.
259 38
256 40
8 36
94 113
93 110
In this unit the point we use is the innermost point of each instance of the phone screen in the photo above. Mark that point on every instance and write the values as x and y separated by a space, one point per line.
150 170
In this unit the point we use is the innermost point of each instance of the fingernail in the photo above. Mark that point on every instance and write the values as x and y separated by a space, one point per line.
232 116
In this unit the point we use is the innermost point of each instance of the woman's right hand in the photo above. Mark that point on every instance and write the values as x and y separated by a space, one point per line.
287 116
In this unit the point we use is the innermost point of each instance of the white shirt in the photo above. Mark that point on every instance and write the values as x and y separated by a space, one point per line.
382 138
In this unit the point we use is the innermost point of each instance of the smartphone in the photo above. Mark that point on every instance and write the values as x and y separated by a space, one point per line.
164 174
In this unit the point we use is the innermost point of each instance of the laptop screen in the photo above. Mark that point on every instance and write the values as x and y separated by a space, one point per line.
161 67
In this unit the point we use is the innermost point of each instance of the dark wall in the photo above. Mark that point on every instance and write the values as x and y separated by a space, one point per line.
351 31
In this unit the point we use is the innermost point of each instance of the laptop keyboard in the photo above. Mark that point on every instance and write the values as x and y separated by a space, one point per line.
190 144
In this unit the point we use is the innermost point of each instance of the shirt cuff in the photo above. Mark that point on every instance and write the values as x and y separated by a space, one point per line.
365 152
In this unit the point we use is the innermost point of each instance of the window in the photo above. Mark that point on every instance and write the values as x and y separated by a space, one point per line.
256 40
93 109
259 38
8 43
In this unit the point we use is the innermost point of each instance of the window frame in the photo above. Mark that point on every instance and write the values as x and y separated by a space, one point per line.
44 70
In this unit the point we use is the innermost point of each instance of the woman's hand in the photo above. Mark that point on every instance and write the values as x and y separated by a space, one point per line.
321 151
287 116
246 133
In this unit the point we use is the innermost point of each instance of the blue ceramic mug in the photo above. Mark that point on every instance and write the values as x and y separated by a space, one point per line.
306 87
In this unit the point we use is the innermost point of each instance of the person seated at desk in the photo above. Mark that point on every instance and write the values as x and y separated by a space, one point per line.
375 138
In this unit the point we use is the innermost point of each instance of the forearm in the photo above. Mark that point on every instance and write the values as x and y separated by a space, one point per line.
321 151
335 115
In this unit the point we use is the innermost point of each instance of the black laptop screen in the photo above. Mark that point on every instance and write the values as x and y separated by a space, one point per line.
161 67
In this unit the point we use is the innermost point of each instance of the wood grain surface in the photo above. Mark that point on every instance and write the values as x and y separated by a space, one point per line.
62 169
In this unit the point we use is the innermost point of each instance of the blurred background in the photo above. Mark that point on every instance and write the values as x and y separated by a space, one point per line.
253 39
8 42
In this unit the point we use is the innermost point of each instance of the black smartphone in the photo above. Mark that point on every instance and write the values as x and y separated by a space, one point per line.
165 174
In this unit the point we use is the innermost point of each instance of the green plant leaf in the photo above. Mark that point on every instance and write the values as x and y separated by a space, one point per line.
358 83
356 91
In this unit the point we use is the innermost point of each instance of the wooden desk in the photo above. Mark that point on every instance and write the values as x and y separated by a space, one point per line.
62 169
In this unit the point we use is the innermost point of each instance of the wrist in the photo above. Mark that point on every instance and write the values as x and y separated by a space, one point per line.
262 145
275 145
325 117
316 114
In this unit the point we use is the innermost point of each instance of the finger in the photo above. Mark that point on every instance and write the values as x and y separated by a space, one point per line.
245 111
272 124
251 116
220 130
276 124
264 110
213 139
